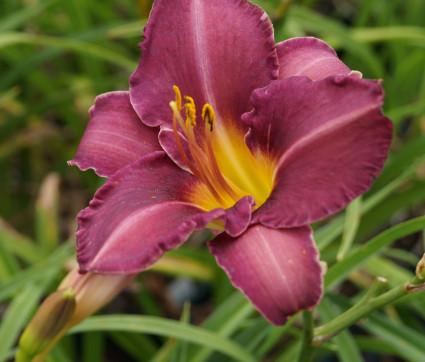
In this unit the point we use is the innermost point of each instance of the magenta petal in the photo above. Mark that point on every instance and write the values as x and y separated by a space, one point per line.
330 139
168 143
215 51
139 213
238 217
309 57
277 269
114 137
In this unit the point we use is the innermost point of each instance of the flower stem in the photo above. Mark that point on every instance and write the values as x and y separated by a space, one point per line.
364 307
307 349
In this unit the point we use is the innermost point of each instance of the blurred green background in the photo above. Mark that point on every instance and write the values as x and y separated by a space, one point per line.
57 55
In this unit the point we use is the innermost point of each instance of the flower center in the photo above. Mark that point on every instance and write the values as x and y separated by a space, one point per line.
209 153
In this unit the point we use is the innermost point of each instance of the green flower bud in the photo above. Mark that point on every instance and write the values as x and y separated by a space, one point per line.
52 316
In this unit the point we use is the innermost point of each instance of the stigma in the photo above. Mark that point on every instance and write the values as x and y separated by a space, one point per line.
201 159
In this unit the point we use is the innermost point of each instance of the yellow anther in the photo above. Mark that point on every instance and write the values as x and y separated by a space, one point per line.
190 111
208 115
178 97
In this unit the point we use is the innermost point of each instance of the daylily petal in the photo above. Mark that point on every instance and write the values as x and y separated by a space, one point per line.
309 57
141 211
330 140
168 142
137 215
238 217
277 269
115 136
218 53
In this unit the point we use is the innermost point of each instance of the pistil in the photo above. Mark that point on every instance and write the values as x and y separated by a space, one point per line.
208 116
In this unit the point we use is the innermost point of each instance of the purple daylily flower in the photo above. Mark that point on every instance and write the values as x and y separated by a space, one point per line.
270 138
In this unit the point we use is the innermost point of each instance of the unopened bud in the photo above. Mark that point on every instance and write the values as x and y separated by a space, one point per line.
420 268
52 316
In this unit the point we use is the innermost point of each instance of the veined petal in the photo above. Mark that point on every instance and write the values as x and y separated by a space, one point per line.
330 140
141 211
277 269
215 51
114 137
309 57
138 214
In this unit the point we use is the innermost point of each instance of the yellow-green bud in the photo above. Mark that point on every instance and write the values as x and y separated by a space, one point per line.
420 268
52 316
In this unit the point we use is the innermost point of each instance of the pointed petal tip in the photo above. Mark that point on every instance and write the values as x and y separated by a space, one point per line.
114 137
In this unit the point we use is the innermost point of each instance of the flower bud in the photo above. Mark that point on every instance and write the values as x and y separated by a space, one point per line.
93 291
78 296
420 268
52 316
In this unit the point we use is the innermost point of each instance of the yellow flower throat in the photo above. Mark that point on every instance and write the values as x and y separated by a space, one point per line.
220 159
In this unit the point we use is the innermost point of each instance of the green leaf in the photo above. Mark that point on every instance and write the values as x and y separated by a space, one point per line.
22 16
179 352
17 315
173 264
327 233
274 336
93 347
138 346
19 244
375 345
14 38
225 320
389 33
8 264
351 224
340 270
408 343
336 35
47 212
164 327
45 270
400 113
127 30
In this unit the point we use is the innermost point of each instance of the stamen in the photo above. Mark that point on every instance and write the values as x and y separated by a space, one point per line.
202 162
208 115
178 97
190 111
205 177
176 115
